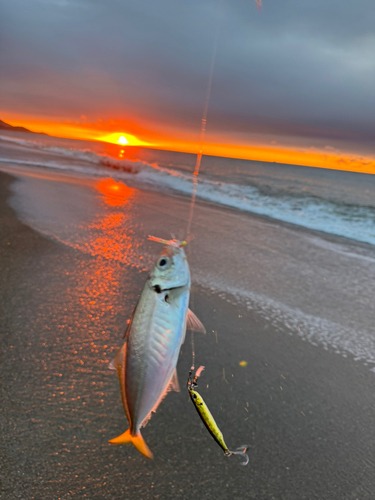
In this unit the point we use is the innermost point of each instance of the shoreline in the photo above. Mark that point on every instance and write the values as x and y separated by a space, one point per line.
309 232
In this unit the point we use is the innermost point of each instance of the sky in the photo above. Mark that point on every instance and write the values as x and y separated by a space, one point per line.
293 81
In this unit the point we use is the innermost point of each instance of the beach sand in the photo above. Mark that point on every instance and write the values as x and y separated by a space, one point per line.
306 413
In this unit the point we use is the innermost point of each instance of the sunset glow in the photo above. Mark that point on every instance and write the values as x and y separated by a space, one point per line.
314 108
80 130
328 157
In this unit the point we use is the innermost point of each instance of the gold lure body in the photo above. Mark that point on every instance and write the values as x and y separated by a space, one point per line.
209 420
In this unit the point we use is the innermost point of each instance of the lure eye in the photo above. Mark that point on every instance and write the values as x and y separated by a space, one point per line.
194 396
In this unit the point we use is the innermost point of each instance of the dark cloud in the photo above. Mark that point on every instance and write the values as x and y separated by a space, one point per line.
304 69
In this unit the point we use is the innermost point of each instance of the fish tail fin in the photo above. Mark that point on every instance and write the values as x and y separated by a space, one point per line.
136 440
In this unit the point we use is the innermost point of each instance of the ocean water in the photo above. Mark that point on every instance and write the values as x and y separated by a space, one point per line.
336 202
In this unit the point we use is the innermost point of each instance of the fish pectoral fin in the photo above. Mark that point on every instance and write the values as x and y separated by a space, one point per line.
173 384
136 440
193 323
118 360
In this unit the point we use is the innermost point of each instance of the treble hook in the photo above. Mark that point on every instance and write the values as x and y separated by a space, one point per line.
241 450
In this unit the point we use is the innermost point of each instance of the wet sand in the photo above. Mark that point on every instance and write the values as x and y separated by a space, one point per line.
306 413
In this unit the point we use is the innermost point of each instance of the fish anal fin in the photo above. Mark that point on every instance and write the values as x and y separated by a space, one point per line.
136 440
173 384
111 365
118 360
183 336
193 323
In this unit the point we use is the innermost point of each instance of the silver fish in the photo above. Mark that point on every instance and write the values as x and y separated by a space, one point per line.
146 363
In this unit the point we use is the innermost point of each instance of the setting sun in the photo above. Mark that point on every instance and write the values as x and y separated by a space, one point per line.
123 140
118 138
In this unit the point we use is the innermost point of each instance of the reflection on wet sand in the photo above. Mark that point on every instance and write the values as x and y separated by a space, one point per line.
112 232
117 194
110 239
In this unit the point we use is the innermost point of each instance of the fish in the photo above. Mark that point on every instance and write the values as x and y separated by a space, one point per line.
146 363
208 419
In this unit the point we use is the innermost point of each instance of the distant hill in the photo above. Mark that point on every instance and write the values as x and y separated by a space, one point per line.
6 126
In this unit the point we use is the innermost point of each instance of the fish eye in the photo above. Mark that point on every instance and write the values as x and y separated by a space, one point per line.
163 262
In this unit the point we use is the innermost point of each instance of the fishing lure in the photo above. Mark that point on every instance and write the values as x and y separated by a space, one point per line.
209 420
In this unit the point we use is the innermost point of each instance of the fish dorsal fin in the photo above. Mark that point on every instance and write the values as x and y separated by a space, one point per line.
118 360
193 323
173 384
118 364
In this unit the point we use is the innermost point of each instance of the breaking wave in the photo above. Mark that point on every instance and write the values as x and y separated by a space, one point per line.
301 208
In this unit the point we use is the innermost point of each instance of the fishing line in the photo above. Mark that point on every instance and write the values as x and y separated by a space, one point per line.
201 142
204 118
205 113
192 352
203 133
